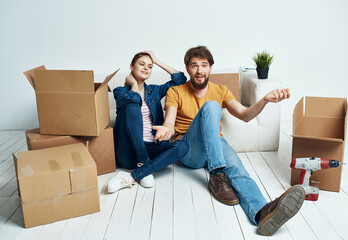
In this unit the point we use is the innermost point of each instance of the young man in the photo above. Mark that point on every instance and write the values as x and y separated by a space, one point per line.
193 114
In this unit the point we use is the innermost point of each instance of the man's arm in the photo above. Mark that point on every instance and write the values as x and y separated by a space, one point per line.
165 131
246 114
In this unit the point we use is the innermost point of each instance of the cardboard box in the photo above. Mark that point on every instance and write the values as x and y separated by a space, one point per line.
101 148
69 102
319 130
56 184
230 80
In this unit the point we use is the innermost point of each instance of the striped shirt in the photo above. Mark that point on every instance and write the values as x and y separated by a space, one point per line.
147 123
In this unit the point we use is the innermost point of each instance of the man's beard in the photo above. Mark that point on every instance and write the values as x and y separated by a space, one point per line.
199 86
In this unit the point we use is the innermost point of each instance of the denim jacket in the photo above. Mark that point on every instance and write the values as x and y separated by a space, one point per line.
153 95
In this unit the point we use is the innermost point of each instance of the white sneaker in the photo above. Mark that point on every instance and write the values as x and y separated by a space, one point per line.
119 181
148 181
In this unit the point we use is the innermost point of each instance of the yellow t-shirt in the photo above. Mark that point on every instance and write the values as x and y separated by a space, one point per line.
188 104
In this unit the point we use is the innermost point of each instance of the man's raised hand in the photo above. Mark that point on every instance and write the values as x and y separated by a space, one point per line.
278 95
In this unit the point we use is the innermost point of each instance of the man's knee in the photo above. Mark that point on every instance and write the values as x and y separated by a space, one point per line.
213 108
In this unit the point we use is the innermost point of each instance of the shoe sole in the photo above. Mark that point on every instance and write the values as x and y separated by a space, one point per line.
227 203
287 207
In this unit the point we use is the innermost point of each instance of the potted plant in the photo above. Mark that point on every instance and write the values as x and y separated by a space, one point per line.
262 61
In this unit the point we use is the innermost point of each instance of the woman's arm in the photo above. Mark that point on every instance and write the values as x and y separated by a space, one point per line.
125 95
162 65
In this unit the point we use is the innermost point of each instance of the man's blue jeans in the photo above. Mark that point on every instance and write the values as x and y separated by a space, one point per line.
208 149
132 149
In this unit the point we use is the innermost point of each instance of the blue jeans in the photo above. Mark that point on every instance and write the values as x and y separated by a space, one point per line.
131 149
208 149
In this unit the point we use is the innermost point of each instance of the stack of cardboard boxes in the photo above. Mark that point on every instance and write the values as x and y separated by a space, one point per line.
58 178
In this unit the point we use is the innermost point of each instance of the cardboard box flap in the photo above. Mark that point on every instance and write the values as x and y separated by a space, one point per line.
324 106
107 79
338 140
30 75
231 80
64 81
98 85
297 116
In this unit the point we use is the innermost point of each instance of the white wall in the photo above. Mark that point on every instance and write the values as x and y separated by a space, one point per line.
308 38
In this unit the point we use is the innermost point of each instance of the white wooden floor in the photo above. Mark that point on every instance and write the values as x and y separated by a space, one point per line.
180 206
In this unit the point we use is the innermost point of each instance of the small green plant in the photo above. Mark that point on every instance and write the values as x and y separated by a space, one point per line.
263 60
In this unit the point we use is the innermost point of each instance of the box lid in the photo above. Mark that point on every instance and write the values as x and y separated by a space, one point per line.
51 172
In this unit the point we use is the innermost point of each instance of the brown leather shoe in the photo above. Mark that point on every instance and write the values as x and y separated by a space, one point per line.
275 213
221 189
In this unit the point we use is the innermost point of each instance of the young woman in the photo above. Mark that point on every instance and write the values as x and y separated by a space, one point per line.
139 118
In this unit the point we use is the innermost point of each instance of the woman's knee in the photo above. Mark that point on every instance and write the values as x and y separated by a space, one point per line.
182 147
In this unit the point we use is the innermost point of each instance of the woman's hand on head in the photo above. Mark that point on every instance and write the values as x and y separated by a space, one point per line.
153 56
130 80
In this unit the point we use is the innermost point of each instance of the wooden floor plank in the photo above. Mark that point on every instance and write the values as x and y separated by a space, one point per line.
206 225
14 148
3 200
162 217
184 219
9 188
8 208
118 225
10 142
6 177
227 220
247 227
32 233
10 228
52 230
7 137
140 226
334 206
5 165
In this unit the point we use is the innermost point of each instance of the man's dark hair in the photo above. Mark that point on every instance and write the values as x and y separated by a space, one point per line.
199 51
139 55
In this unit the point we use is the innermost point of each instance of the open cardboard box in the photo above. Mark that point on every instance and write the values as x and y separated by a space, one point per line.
69 102
101 148
319 130
56 184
